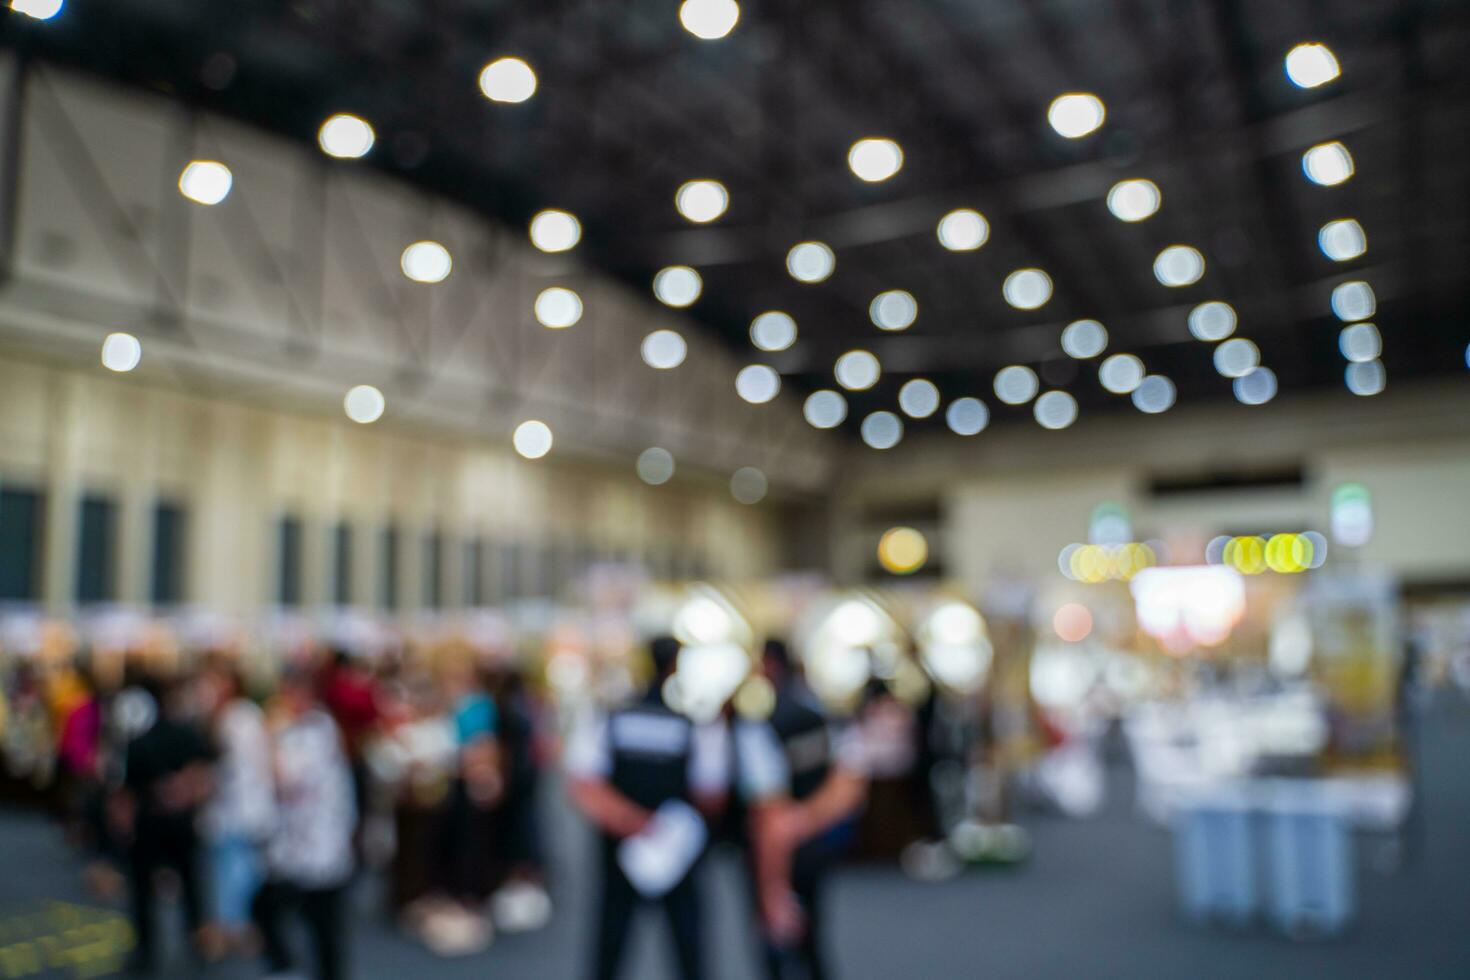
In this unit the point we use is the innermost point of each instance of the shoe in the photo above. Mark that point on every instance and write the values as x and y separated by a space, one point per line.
523 906
457 933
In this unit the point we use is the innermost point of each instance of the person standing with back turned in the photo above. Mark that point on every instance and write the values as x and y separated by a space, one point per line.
623 768
804 779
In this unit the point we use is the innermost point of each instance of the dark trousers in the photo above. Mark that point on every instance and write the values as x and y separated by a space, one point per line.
618 902
320 909
803 960
171 844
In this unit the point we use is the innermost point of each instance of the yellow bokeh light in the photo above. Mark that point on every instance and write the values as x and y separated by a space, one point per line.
1094 563
1246 555
902 550
1288 553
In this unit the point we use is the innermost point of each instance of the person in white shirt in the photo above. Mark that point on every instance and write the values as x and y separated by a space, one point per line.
310 858
238 818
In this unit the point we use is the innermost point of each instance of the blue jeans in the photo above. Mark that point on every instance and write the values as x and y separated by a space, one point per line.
235 875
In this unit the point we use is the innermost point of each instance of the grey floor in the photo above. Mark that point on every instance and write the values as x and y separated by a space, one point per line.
1096 900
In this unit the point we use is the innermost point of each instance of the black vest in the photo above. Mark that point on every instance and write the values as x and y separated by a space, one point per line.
801 728
650 746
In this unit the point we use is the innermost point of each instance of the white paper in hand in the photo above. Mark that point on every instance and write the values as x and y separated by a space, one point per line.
658 858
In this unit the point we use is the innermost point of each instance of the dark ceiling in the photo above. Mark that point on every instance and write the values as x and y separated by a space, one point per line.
630 106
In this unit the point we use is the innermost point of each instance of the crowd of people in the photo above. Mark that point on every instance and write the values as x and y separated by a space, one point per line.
258 800
259 797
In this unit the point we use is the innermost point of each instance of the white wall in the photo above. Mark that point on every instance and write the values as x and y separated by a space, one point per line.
1012 497
291 288
240 467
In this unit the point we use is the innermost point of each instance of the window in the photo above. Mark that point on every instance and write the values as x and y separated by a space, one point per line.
434 570
510 571
546 571
20 543
388 584
342 564
168 553
288 551
474 572
96 550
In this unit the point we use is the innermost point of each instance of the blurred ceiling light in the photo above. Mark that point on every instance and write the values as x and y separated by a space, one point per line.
121 352
701 201
902 550
1134 200
1256 387
655 466
963 230
1328 164
37 9
677 286
558 308
857 370
1212 321
555 231
748 485
346 136
893 310
875 159
1179 265
918 398
1121 373
508 80
426 262
1360 342
1342 240
1311 65
206 181
1084 338
1076 114
1237 357
1154 394
532 439
1055 410
825 409
709 20
773 331
1366 378
364 404
810 261
757 383
882 430
664 349
1016 384
1027 289
1354 301
967 416
1072 622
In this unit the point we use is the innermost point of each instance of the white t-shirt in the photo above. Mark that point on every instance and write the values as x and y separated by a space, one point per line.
315 811
243 804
